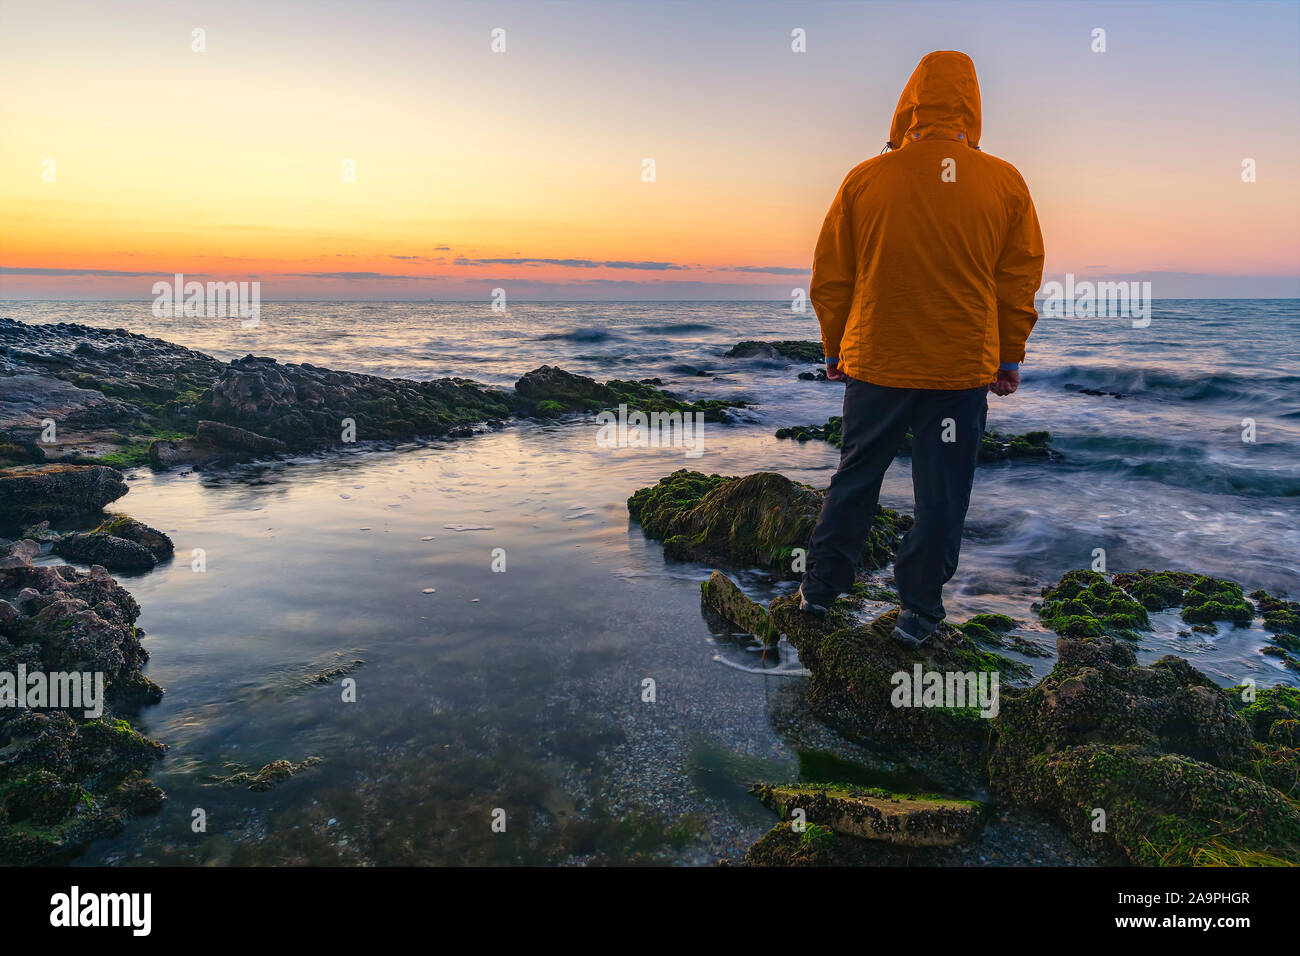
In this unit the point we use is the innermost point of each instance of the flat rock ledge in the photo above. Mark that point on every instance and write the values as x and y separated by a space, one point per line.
876 814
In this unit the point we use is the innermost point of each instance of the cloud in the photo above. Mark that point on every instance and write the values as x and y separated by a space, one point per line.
573 263
355 275
99 273
770 270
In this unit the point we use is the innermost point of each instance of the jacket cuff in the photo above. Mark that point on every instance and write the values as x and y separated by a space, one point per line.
1009 367
832 362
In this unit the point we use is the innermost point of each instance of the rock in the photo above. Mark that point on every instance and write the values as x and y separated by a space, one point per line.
103 388
800 351
854 665
124 526
1164 809
720 593
876 814
755 521
551 383
1085 604
1281 618
27 401
1184 771
213 443
994 446
994 630
21 453
550 391
18 554
65 779
51 491
110 551
815 846
305 406
141 389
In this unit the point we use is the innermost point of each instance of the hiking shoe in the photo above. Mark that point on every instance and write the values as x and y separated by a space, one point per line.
810 607
912 629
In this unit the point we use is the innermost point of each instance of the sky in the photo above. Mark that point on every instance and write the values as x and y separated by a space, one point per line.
127 155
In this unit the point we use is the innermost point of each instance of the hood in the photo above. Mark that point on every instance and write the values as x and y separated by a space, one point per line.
942 99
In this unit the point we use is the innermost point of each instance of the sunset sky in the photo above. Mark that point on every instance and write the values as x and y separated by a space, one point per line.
523 169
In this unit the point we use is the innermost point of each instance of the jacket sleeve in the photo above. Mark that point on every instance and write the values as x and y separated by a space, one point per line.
1019 274
835 265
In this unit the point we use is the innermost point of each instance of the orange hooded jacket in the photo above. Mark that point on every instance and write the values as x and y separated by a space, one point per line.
927 264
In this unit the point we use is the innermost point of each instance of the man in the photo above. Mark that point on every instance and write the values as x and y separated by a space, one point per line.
923 282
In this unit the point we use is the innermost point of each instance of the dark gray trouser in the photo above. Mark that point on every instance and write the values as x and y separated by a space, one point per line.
876 419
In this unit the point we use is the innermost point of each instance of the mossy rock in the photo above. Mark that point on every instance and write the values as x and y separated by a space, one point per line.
802 350
1084 604
1281 618
854 664
755 521
721 594
1163 809
988 628
549 392
815 845
1155 590
876 814
994 446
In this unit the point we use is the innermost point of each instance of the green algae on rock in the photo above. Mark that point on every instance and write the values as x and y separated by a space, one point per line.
64 779
994 446
754 521
721 593
119 543
1203 599
273 774
1084 604
994 630
1151 763
213 443
783 846
1281 620
1156 764
801 350
875 814
854 666
549 392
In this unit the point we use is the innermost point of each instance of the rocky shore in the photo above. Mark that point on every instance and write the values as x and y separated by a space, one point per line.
1147 764
78 394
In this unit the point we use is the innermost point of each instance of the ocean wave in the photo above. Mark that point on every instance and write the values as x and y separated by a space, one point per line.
1169 385
1179 471
671 328
590 333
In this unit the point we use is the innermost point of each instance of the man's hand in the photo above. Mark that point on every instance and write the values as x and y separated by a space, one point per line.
835 375
1008 381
